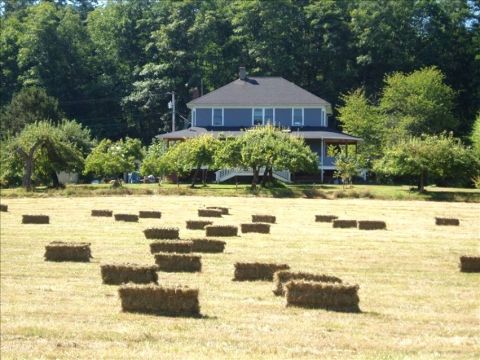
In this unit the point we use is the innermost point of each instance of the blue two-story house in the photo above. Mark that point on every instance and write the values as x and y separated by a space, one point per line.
252 101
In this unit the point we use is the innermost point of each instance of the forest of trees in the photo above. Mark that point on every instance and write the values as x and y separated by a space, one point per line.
110 64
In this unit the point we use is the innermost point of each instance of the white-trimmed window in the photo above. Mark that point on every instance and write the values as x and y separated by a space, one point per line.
194 117
257 116
263 116
297 117
217 117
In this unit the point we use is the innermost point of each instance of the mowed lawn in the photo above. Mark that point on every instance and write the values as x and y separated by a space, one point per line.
414 301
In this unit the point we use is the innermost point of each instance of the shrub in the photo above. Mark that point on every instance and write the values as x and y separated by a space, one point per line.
35 219
325 218
257 271
208 246
372 225
173 262
280 278
323 295
162 233
255 228
150 214
126 217
209 213
171 246
470 263
4 207
344 223
447 221
115 274
198 224
221 230
223 210
63 251
102 213
154 299
264 219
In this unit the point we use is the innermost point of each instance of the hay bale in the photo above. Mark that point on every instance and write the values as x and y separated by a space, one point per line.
150 214
126 217
372 225
116 274
257 271
35 219
221 230
322 295
224 210
198 224
447 221
102 213
255 228
280 278
182 247
209 213
470 263
4 207
208 246
325 218
162 233
264 219
344 223
173 262
154 299
63 251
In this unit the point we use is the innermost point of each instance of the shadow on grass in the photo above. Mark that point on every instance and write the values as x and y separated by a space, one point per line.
451 196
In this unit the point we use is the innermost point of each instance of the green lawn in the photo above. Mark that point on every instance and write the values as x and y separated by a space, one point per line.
384 192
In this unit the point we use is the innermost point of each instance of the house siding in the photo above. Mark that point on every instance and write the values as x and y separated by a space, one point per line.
312 117
203 117
237 117
283 117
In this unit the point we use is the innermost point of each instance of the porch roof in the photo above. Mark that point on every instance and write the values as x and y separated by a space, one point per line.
306 133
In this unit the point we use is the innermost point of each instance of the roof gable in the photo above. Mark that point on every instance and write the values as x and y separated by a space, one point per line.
260 91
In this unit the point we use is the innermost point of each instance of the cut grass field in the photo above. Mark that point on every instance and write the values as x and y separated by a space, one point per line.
414 300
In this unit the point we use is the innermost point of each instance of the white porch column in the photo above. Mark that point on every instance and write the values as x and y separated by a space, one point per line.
321 159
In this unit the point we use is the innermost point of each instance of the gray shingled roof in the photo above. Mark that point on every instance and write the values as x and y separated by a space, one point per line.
197 131
260 91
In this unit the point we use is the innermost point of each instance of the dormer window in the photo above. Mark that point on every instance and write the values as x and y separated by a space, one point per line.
217 117
297 117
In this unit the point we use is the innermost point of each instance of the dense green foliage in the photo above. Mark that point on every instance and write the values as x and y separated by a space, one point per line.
110 66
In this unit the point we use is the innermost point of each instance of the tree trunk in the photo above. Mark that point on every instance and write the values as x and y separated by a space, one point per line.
204 177
195 175
265 176
178 181
55 181
255 178
28 165
270 174
421 183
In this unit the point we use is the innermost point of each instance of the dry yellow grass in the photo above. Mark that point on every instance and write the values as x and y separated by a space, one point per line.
415 301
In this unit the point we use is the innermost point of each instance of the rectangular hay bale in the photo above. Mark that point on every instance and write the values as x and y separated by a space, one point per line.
325 218
4 207
198 224
322 295
126 217
149 214
470 263
102 213
162 233
447 221
208 246
264 219
116 274
182 247
224 210
35 219
173 262
257 271
64 251
344 224
372 225
221 230
159 300
280 278
255 228
209 213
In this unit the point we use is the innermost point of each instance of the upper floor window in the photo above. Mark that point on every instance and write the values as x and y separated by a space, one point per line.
297 117
257 117
217 117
